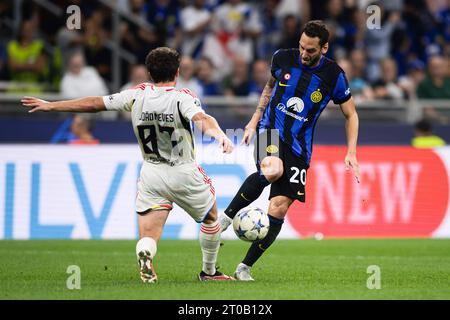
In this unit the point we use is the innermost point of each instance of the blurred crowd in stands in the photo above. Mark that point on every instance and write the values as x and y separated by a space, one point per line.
227 45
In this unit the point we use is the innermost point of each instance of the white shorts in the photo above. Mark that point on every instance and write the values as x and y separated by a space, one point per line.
160 185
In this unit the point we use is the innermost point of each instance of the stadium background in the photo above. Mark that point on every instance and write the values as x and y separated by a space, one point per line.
51 188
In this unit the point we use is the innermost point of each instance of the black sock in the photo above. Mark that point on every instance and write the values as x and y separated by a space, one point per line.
250 190
257 248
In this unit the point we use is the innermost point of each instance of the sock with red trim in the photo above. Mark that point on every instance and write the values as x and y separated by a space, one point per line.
209 238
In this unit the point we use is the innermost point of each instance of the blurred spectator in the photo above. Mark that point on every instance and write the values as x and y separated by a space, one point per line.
443 25
378 42
354 26
69 42
267 42
138 74
260 76
236 16
290 32
95 51
137 38
387 87
420 26
164 15
81 80
187 78
401 50
81 129
361 90
206 74
336 21
26 59
299 8
137 8
435 86
237 82
236 25
437 83
195 21
424 137
415 73
358 60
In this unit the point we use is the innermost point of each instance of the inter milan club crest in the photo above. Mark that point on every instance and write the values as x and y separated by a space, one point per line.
287 76
316 96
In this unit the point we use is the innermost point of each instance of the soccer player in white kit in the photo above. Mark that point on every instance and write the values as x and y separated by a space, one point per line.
161 117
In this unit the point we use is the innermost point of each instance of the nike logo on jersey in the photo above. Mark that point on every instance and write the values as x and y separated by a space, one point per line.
283 85
300 193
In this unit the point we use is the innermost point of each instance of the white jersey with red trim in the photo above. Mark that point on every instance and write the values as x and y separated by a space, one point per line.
161 118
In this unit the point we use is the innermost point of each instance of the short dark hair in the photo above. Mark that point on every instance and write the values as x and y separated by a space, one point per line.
162 63
316 28
423 125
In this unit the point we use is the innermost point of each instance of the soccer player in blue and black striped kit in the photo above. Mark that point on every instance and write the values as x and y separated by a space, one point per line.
302 83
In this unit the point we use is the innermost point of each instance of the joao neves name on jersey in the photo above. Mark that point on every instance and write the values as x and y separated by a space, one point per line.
151 116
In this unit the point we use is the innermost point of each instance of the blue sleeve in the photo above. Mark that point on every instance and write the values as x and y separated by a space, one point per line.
275 65
341 91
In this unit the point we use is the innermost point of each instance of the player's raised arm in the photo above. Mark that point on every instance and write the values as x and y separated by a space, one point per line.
351 127
87 104
209 126
250 128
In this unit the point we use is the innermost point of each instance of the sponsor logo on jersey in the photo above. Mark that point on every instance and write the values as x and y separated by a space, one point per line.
285 110
295 104
272 149
316 96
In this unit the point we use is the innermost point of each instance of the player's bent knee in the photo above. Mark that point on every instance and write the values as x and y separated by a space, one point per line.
279 212
272 168
279 207
211 216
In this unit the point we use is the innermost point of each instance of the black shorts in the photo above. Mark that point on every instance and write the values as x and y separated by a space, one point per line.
292 183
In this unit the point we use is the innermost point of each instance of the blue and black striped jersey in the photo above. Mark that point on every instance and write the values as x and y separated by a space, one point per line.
299 97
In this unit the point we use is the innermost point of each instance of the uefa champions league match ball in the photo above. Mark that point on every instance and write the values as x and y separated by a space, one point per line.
251 224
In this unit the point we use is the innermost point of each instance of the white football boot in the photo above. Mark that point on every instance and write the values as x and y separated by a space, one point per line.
242 273
147 272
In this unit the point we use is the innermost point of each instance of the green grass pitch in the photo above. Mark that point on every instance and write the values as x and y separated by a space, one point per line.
291 269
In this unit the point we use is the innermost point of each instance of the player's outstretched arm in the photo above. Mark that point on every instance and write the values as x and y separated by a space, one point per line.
250 128
351 127
87 104
209 126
